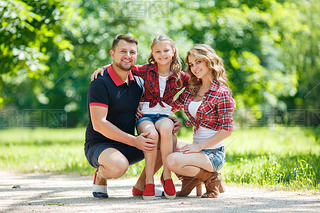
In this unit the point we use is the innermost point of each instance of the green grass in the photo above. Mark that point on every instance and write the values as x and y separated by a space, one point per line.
275 157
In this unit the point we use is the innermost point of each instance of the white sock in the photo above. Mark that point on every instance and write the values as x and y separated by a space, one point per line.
158 192
99 188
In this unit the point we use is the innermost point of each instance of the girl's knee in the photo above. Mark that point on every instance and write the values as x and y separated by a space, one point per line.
164 125
154 135
166 131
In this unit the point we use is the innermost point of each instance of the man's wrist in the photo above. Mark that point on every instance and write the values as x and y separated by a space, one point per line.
132 140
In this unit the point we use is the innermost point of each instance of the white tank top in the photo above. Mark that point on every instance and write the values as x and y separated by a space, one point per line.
202 133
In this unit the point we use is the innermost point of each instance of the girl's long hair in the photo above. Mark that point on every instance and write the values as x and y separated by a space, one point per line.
175 66
213 61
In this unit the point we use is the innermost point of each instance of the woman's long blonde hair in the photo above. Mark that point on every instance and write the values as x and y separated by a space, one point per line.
213 61
175 66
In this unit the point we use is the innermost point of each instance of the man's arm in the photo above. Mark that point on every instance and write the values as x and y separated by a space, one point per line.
100 124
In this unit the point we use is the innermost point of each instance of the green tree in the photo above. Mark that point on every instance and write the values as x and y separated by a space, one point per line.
29 31
50 48
303 55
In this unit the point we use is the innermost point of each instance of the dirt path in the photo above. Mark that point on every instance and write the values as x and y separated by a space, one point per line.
62 193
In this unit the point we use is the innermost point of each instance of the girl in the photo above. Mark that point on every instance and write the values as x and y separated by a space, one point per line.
208 104
163 79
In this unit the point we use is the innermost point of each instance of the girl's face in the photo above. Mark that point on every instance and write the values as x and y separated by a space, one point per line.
198 67
162 53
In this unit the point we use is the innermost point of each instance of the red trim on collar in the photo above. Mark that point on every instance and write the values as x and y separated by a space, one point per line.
115 78
131 76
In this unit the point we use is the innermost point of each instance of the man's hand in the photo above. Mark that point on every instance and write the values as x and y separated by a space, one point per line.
176 124
139 114
145 144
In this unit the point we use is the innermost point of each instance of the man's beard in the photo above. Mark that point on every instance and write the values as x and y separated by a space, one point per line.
119 65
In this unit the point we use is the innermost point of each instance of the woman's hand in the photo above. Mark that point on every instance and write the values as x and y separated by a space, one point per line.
139 114
190 148
99 71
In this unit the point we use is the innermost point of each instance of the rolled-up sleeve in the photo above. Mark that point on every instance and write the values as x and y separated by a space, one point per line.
225 107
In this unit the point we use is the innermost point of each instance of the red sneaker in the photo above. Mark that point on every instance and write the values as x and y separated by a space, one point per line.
136 192
169 189
148 192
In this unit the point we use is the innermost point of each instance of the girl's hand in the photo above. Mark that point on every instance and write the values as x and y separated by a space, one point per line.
139 114
190 148
99 71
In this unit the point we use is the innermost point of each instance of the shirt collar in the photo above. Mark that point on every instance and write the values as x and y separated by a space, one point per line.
214 86
115 78
154 68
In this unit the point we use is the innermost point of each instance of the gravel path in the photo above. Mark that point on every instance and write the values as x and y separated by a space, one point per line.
63 193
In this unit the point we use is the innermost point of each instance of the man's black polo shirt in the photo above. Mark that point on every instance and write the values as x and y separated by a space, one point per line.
120 98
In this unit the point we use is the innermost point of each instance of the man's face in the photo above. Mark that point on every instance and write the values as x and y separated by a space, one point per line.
125 55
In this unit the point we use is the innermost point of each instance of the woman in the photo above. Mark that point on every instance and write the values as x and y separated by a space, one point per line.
208 105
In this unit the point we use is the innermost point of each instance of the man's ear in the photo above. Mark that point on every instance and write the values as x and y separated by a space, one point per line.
111 53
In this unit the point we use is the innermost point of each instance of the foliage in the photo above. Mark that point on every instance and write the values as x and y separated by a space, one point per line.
278 157
303 55
50 48
30 32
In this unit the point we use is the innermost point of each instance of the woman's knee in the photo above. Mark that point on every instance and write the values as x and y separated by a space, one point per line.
172 161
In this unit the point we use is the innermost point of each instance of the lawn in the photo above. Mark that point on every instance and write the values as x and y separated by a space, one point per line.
279 157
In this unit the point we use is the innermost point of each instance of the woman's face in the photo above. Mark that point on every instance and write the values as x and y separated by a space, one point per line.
162 53
198 67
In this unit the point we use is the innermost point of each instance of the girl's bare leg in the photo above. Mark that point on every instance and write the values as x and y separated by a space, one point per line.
150 157
164 128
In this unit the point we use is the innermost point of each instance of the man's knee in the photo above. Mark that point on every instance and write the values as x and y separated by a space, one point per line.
118 170
114 163
115 169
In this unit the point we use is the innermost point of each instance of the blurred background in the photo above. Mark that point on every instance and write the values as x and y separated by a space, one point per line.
271 51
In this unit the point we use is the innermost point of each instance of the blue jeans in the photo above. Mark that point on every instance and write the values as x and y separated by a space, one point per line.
216 156
151 117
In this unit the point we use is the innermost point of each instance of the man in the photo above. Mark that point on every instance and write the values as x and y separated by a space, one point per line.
112 102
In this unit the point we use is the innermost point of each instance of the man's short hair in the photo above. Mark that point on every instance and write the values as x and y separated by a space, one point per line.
127 38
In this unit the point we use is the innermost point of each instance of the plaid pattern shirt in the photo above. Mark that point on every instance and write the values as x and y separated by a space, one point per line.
215 111
149 73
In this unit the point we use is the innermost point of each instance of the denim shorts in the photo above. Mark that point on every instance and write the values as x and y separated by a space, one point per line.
133 154
216 157
151 117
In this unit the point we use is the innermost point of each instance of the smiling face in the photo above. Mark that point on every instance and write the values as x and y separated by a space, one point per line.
125 55
198 67
162 53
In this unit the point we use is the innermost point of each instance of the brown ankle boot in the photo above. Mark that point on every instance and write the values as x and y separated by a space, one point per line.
213 186
221 187
188 183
